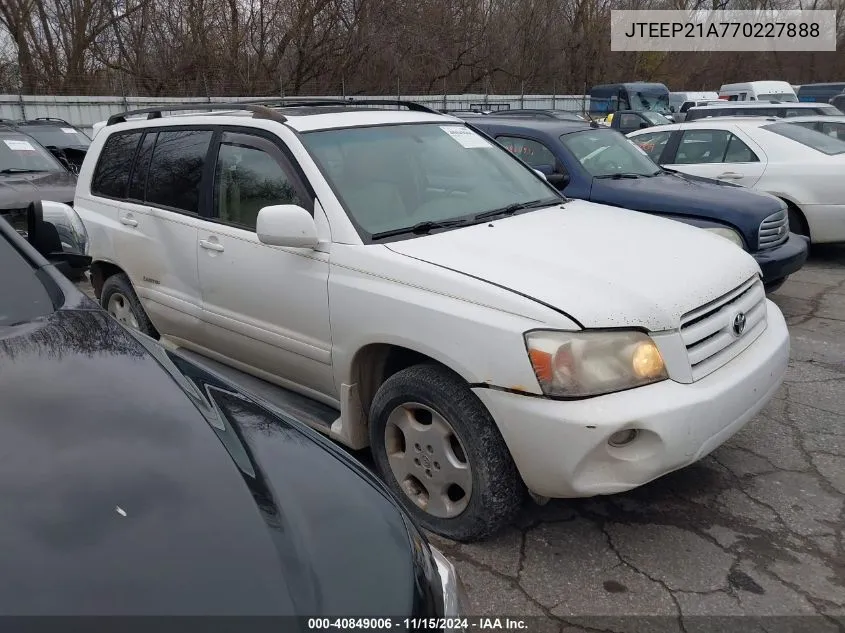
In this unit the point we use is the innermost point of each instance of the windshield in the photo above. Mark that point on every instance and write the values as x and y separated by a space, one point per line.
829 110
811 138
607 153
21 154
395 176
56 136
656 102
778 96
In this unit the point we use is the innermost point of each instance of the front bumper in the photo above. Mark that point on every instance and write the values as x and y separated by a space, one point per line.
561 447
781 261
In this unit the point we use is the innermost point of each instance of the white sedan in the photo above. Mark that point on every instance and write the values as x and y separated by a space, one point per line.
803 166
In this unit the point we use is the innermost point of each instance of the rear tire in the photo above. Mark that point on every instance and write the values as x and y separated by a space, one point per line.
118 298
438 449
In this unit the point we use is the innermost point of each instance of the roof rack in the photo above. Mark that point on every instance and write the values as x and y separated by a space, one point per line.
263 108
50 118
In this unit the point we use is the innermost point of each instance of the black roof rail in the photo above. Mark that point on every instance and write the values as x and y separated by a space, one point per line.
262 108
258 111
50 118
305 102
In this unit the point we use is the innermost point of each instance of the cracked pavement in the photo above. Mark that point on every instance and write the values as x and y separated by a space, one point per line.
754 529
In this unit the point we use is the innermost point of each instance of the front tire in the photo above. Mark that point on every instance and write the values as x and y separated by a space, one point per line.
118 298
438 449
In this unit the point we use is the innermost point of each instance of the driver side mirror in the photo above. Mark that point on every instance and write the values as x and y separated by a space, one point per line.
644 125
671 108
286 225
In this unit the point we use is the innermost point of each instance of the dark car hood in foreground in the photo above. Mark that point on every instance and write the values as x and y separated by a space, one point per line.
119 495
690 196
18 190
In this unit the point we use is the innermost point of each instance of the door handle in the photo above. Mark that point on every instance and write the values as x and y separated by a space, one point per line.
128 221
729 175
211 246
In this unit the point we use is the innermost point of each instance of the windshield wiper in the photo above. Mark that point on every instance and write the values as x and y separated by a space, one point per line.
620 176
19 170
518 206
421 228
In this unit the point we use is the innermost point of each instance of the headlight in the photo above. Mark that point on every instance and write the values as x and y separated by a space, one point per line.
455 601
728 234
577 364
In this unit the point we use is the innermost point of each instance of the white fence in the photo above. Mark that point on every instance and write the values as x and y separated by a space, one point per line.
84 111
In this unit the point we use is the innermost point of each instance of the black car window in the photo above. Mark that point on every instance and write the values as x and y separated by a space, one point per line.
138 180
24 297
630 121
248 177
652 143
532 152
739 152
175 172
111 176
702 146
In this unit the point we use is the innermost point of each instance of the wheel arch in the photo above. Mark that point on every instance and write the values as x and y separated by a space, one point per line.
100 271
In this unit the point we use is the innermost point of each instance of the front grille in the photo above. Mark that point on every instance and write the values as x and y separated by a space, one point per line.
774 230
709 332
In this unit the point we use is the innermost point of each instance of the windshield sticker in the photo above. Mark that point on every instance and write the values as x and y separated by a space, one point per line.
68 130
465 136
19 146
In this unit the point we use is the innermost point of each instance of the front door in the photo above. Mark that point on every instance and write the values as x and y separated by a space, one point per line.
265 307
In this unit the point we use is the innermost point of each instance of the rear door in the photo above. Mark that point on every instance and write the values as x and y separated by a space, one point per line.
159 227
720 154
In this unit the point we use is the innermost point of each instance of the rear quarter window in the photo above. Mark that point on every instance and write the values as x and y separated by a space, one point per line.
111 175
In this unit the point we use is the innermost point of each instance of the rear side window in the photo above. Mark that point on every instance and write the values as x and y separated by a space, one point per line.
142 167
111 176
175 172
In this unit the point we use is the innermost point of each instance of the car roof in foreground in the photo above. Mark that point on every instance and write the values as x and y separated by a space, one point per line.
716 121
759 104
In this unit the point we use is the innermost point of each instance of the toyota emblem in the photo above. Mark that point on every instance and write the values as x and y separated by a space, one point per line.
738 325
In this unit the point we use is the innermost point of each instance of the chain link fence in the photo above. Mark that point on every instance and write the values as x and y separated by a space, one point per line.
84 111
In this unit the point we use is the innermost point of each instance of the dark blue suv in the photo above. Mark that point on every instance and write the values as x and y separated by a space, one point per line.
601 165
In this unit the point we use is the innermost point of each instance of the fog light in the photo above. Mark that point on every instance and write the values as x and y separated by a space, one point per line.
621 438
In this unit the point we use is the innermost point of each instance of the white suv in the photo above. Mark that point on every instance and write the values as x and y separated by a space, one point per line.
433 297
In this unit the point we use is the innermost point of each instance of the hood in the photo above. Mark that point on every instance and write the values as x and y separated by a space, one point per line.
18 190
693 197
604 267
130 491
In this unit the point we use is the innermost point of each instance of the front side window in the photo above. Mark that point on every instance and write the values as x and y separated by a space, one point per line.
828 110
391 177
809 138
532 152
606 153
246 179
111 176
175 173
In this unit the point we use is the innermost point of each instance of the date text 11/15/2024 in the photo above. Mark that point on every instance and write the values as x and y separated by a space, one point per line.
417 624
